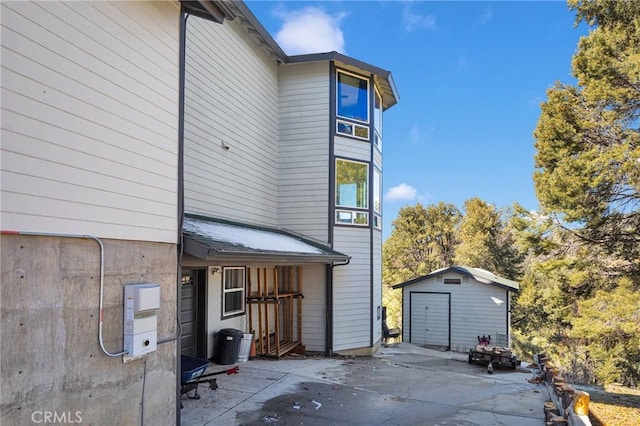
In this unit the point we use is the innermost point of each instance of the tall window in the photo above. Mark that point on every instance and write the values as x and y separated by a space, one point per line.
352 192
377 198
377 120
233 291
353 97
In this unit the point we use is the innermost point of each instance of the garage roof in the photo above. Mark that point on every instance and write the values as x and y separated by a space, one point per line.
216 239
477 274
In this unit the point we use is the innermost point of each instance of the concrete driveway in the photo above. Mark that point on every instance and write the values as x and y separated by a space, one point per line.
402 385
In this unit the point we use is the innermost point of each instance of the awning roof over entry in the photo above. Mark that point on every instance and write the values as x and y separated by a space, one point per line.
215 239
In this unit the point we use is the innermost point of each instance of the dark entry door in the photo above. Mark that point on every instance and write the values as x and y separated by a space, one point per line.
193 313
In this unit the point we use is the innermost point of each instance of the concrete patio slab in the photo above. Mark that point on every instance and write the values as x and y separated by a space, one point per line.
401 385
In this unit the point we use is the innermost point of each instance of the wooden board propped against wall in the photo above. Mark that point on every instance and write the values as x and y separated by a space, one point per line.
275 309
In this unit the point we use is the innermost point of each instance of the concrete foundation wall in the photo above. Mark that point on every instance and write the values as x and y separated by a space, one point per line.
51 359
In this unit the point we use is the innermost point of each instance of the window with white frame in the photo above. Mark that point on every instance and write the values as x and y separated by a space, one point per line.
352 192
377 120
233 293
352 129
377 198
353 97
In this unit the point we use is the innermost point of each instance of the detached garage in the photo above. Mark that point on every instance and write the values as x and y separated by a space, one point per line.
449 308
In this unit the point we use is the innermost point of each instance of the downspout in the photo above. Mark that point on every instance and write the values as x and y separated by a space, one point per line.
329 308
328 332
97 240
508 318
181 89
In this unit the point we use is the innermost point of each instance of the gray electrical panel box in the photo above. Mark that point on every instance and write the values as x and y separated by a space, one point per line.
141 304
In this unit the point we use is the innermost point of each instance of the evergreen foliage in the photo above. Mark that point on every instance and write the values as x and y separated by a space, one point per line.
579 297
578 259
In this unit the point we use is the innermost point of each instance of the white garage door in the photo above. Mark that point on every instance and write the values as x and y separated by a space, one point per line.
430 319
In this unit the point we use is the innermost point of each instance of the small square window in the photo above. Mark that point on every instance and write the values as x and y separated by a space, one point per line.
352 218
345 128
343 217
361 218
361 132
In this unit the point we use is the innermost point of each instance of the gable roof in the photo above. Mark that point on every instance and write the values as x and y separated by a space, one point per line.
477 274
216 239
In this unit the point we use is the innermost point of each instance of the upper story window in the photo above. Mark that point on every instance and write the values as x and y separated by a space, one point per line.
352 192
377 120
377 198
233 298
353 97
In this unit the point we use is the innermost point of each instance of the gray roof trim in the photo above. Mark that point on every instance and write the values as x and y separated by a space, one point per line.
206 9
262 36
208 247
477 274
260 32
380 73
335 56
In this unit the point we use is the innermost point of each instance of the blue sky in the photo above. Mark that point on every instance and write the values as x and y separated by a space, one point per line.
471 76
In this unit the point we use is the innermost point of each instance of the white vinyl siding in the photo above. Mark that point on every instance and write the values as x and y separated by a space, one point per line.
352 290
231 100
314 307
377 159
214 310
476 309
90 118
377 284
303 179
352 149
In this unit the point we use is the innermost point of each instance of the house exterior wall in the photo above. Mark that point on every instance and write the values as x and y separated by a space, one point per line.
357 297
303 177
377 158
352 149
214 310
51 359
89 146
231 98
314 307
377 289
90 118
476 309
352 290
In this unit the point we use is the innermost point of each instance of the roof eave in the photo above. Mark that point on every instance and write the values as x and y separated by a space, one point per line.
272 258
462 271
259 32
391 97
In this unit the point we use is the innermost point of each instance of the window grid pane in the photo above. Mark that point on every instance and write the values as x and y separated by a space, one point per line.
233 291
351 184
377 121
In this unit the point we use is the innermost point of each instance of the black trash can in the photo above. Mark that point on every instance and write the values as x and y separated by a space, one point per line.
227 346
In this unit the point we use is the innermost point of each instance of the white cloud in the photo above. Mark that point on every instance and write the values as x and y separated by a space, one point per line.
400 193
310 30
414 21
418 136
486 16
